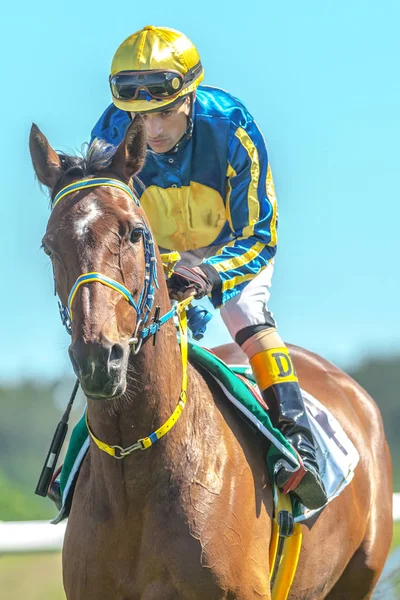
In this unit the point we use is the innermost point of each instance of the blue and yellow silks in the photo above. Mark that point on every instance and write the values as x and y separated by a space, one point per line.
216 189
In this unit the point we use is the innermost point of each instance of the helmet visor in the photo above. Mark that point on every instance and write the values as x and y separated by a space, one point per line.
145 85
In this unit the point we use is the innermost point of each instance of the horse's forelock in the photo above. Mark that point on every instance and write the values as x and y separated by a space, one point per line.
98 156
93 158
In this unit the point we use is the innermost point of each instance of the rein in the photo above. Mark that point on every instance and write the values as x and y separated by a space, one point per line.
143 443
142 307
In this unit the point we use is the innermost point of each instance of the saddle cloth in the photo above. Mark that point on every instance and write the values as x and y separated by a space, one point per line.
336 454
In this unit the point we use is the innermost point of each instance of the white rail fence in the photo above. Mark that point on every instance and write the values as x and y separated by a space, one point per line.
41 536
30 536
396 507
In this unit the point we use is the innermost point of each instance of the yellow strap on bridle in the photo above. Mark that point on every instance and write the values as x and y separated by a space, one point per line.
169 261
119 452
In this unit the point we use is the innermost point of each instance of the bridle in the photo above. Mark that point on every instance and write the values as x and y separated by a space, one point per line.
142 306
145 302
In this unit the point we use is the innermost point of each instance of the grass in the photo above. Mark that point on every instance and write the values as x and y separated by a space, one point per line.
38 576
396 535
33 576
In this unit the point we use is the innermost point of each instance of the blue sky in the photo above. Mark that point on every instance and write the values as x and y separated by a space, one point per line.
321 80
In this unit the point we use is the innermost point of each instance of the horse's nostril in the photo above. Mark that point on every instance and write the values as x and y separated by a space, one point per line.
117 352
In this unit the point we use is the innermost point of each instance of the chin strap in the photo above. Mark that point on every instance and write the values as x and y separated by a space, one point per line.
189 130
117 451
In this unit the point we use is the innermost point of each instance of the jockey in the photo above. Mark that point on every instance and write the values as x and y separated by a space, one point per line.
208 192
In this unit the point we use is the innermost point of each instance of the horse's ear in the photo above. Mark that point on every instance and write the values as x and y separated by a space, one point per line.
46 162
131 153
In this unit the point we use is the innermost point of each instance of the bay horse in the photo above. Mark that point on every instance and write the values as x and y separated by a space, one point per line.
189 517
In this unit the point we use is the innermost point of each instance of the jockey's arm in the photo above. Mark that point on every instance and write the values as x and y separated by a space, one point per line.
251 210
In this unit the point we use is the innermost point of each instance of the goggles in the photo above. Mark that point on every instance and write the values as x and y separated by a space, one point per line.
151 85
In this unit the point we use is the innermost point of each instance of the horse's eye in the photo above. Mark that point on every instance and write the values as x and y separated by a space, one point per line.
136 234
45 249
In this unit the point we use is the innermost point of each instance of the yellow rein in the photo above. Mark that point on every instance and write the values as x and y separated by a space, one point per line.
143 443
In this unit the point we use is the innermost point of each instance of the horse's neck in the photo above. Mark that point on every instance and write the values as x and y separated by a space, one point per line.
154 386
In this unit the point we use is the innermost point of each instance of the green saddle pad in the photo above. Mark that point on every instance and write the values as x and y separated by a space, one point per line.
241 396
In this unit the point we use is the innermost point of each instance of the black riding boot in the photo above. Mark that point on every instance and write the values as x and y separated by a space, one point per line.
288 414
277 380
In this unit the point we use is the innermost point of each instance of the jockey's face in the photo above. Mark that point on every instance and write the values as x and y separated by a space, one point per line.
165 128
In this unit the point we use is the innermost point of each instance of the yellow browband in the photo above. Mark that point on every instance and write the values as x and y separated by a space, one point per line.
119 452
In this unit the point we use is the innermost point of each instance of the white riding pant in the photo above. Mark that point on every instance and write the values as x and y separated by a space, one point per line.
249 307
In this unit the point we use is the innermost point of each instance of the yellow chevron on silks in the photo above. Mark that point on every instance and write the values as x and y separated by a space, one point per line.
272 198
236 281
286 569
240 260
184 218
230 172
253 204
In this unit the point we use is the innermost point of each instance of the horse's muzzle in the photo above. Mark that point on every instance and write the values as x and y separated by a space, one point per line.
100 367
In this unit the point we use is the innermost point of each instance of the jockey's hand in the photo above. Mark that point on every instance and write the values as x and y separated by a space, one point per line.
197 281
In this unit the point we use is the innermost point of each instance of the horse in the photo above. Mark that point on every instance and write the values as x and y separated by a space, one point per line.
189 517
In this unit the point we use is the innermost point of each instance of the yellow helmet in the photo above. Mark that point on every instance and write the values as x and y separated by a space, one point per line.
152 68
